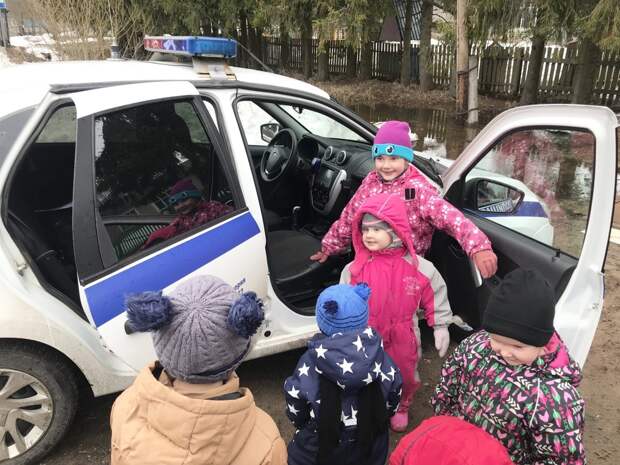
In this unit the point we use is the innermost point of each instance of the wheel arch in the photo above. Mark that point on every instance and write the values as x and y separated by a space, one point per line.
84 386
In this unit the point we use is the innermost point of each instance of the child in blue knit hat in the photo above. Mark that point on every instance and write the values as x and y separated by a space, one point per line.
345 387
187 407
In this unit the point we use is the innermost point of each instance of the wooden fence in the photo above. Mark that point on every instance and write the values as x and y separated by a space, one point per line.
501 70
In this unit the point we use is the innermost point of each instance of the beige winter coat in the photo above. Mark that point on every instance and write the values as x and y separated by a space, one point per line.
172 422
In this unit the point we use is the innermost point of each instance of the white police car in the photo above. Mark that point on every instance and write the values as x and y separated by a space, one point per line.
121 176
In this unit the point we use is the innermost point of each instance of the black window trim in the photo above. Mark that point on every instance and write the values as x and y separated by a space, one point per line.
89 261
456 193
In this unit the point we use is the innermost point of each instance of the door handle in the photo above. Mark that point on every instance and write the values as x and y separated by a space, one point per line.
475 273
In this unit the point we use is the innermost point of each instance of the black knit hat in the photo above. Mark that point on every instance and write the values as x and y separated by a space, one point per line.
522 308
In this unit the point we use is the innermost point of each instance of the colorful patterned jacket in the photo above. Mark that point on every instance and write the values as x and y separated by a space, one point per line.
426 211
204 212
534 410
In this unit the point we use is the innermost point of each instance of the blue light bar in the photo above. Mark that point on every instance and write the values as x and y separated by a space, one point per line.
192 46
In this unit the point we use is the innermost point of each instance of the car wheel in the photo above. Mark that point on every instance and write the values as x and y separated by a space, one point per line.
38 400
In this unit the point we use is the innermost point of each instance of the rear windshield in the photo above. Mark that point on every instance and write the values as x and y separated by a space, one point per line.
10 127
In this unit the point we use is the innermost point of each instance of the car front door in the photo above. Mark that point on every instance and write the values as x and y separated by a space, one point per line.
156 200
546 202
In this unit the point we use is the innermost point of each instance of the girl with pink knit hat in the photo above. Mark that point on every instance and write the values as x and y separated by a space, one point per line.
394 173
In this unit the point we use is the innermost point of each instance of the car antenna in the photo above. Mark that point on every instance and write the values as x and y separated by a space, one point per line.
265 67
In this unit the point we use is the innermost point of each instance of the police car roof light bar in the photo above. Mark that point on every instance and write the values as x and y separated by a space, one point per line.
195 46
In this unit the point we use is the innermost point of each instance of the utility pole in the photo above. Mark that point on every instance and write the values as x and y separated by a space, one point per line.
5 36
462 57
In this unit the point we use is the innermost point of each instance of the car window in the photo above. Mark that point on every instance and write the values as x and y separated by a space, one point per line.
537 182
252 117
321 124
60 127
10 127
157 175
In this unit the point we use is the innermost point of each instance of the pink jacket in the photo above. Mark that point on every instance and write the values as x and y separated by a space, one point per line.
398 288
426 211
398 285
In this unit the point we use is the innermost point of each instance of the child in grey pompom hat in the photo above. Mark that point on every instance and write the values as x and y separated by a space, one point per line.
201 332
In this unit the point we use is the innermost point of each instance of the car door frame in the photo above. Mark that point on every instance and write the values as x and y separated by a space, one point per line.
578 309
101 285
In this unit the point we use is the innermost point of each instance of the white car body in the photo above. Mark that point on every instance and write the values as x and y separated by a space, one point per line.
109 358
537 225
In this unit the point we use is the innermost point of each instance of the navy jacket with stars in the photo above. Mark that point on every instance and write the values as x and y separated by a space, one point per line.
352 361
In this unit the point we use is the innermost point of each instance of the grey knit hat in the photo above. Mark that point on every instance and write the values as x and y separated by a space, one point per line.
201 330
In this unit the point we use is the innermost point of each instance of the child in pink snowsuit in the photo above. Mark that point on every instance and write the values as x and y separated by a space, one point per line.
400 282
427 210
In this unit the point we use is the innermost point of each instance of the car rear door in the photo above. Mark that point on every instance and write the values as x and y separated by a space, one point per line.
564 157
156 200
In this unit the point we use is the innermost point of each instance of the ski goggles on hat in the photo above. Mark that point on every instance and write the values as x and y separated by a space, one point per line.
183 195
392 150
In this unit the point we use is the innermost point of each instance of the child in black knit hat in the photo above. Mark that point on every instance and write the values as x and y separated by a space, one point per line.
515 379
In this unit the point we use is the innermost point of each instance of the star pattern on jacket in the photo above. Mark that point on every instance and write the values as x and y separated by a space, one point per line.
294 392
303 370
351 361
320 352
292 409
347 367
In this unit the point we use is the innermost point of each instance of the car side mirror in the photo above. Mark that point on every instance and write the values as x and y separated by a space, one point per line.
496 197
268 131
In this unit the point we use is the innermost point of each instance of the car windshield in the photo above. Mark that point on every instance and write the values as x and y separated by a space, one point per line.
321 124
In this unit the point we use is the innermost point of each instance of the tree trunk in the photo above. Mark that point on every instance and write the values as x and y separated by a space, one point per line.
306 46
244 38
405 62
530 88
583 84
260 48
462 56
284 47
426 61
252 47
351 62
323 61
366 61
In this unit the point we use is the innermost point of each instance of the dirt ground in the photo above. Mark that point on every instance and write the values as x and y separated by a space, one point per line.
88 441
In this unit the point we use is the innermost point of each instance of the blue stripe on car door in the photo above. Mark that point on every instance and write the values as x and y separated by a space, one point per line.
106 297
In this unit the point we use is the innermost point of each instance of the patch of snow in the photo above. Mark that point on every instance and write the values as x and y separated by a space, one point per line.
41 46
4 59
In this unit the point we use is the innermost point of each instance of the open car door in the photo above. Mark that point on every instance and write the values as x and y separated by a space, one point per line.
540 182
156 200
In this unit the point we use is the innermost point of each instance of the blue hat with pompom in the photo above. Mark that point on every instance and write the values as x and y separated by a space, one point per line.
201 329
342 308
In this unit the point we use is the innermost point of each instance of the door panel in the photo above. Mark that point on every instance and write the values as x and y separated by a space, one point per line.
562 159
209 252
156 202
512 252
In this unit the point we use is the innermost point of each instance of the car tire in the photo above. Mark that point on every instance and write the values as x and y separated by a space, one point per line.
40 412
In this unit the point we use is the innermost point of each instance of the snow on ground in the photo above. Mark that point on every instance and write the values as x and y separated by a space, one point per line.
41 46
4 59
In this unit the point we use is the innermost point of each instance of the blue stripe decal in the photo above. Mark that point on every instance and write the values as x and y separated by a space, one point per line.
531 209
106 298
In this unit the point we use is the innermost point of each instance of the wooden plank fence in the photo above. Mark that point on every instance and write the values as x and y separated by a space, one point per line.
501 70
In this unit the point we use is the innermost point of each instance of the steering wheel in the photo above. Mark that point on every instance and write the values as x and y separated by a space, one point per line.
279 156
